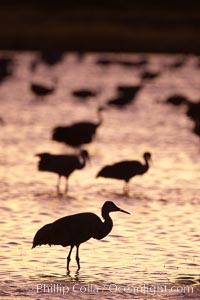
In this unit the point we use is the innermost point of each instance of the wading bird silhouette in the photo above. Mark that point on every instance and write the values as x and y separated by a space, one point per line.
77 134
125 170
76 229
41 90
193 112
84 93
147 75
50 58
5 68
126 95
180 62
63 165
177 100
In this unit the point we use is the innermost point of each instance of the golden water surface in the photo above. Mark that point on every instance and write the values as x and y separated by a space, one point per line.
154 248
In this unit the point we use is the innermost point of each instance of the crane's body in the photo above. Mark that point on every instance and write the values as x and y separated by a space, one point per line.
76 134
75 230
41 90
84 93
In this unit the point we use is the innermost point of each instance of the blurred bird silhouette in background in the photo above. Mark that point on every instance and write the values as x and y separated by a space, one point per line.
133 63
196 129
149 75
125 170
84 93
126 95
193 112
104 61
40 90
178 63
77 134
63 165
5 68
76 229
177 100
49 58
125 63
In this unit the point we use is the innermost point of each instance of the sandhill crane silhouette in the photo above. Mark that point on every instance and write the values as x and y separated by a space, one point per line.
84 93
177 100
193 112
125 170
129 63
126 63
79 133
63 165
180 62
147 75
52 57
126 95
41 90
196 129
5 68
76 229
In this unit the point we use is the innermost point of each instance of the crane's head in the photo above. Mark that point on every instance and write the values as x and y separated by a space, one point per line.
109 206
147 156
84 154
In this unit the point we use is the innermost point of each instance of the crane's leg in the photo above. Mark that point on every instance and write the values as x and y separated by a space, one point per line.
68 258
77 258
58 185
126 188
66 186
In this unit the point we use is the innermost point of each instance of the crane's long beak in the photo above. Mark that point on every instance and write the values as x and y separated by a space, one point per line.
124 211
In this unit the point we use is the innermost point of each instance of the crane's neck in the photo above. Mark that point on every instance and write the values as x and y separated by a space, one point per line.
104 228
82 162
107 225
146 165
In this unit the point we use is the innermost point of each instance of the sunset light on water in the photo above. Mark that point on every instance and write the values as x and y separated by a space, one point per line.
152 251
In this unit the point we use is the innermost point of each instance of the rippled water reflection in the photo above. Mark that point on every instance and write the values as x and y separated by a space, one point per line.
158 244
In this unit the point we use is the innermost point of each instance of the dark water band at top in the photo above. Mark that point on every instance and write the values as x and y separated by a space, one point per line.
146 26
